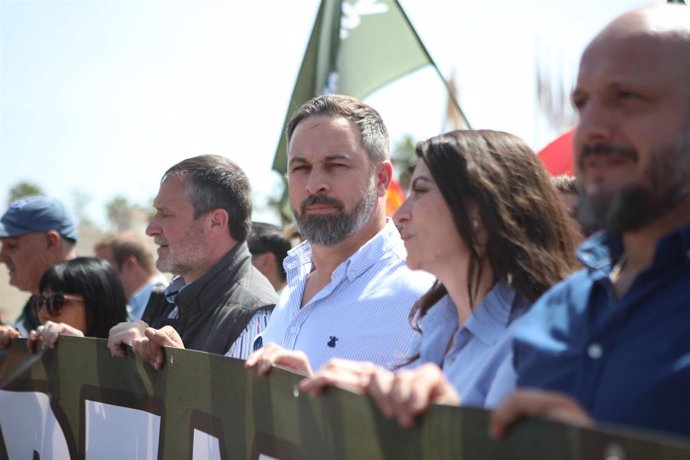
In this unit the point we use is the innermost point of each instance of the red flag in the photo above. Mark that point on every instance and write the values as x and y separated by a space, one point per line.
394 197
558 155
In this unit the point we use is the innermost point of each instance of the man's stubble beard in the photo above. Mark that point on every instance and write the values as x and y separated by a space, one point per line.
188 253
331 229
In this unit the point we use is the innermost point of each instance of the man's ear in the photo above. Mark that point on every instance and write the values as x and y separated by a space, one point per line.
53 239
129 263
384 175
270 259
218 220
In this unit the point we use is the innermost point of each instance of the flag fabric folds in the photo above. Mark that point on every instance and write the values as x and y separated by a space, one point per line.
355 48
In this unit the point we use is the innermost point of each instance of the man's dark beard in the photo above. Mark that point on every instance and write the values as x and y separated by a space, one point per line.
330 229
624 211
635 206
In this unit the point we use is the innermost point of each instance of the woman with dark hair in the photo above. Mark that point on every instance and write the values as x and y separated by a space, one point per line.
483 217
79 297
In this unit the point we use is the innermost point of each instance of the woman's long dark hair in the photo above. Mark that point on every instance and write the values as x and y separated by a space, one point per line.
96 281
530 244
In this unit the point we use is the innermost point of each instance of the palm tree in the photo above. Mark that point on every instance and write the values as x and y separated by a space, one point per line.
24 189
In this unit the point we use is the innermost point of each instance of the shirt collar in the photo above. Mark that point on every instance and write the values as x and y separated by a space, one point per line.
488 320
385 244
602 250
205 290
441 314
175 286
491 317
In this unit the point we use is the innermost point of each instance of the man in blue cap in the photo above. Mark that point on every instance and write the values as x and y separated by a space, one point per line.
36 233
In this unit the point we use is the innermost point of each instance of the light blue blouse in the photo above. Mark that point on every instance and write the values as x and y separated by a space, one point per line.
479 362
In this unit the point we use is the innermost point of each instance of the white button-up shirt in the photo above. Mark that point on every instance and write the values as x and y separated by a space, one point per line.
362 314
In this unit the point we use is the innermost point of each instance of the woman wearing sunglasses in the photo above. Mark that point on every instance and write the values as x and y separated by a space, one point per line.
483 218
80 297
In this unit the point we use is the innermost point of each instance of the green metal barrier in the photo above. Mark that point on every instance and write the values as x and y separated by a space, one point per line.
251 415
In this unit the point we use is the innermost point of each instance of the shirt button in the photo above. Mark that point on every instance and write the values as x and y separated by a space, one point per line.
294 330
595 351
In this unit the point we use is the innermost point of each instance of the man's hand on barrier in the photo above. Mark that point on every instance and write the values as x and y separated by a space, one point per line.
529 402
123 334
273 355
150 347
49 333
7 333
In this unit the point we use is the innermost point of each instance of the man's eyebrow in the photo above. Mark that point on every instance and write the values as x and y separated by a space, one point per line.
297 160
336 157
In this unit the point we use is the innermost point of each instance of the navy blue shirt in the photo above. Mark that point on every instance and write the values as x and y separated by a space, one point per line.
627 360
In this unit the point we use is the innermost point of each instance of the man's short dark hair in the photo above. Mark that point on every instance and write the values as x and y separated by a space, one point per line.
126 244
214 182
269 238
371 129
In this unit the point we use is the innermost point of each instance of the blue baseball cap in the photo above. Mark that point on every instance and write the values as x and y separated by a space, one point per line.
38 214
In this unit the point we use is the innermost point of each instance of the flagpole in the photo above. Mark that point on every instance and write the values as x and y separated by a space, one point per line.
433 64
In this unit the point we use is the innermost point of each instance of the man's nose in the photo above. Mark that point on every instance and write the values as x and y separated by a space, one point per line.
317 182
596 123
153 229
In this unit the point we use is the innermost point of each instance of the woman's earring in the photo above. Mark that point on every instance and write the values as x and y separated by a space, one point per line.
475 224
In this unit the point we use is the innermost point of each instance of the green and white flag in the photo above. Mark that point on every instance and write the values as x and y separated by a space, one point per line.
356 47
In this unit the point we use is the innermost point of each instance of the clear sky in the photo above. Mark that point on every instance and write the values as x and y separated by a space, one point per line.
101 96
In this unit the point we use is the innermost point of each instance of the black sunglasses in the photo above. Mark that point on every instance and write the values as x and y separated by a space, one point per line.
53 303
